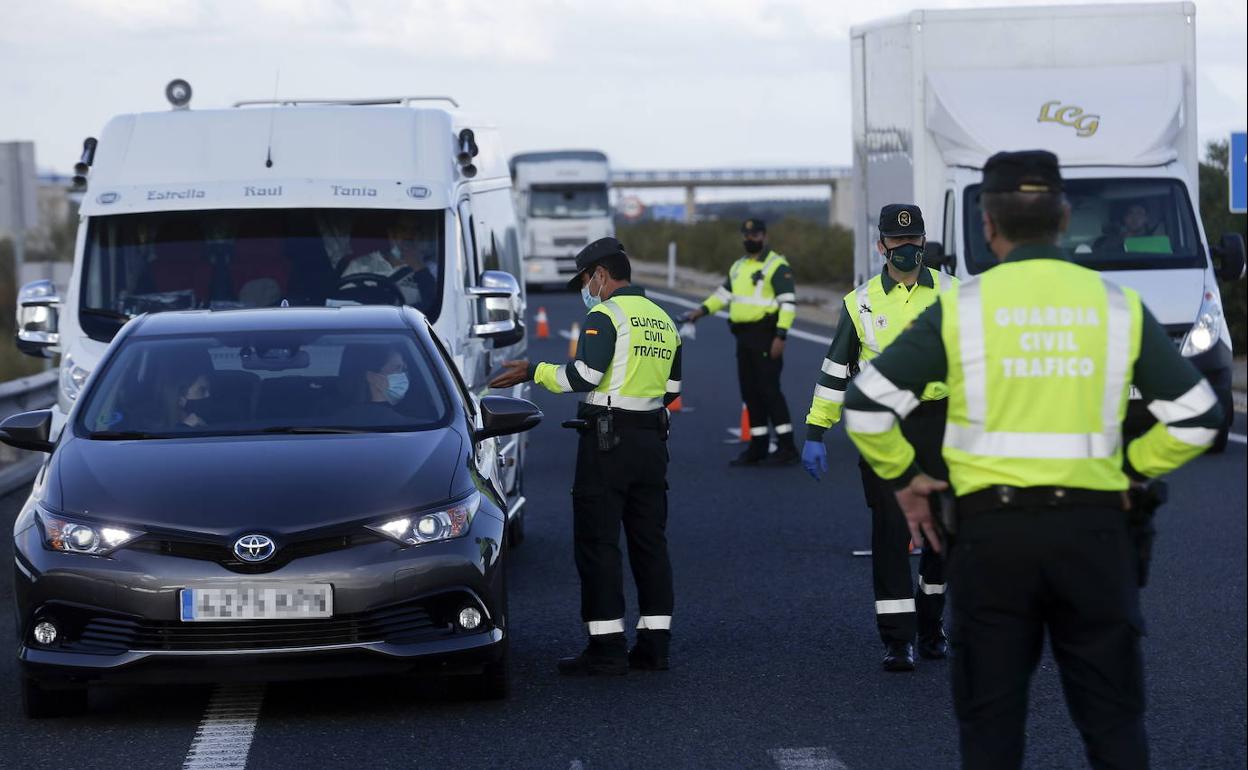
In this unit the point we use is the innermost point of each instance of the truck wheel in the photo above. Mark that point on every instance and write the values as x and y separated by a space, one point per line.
41 703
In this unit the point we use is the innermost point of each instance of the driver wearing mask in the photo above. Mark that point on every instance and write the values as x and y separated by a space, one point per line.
384 384
402 262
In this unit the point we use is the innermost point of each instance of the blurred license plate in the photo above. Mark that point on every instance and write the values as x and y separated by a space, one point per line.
258 601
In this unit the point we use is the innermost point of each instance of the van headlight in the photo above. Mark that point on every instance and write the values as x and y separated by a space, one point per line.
73 377
76 536
430 526
1205 332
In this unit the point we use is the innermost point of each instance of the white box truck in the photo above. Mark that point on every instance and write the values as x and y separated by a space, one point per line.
1111 89
562 202
401 200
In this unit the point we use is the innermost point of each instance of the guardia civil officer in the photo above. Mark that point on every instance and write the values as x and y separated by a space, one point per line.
628 366
761 300
872 315
1039 355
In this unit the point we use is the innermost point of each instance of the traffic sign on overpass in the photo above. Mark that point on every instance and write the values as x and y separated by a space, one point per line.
1238 172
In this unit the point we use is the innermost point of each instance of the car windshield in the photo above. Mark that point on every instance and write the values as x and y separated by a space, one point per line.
1115 224
569 202
265 382
243 258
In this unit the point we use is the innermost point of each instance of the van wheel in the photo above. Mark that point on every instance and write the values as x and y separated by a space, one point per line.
515 530
1227 400
41 703
1220 441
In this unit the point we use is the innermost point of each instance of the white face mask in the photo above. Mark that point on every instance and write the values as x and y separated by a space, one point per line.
589 299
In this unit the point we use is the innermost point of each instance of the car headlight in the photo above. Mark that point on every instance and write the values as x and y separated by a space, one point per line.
73 377
1207 329
71 536
430 526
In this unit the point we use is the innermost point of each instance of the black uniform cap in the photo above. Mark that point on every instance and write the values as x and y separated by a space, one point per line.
592 254
1033 171
751 226
898 220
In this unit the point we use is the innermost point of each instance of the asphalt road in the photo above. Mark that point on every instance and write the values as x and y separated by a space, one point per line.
776 660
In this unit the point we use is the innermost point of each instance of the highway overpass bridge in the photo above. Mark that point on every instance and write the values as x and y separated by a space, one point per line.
835 178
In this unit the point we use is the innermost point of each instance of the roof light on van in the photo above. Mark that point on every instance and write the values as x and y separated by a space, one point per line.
178 92
467 151
83 166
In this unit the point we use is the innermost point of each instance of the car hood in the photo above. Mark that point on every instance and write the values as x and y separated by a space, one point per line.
1174 296
223 485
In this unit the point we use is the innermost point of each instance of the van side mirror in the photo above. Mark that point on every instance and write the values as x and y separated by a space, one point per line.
498 299
502 416
934 256
1230 257
28 430
38 306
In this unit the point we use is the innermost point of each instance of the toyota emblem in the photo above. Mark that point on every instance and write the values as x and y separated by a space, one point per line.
254 548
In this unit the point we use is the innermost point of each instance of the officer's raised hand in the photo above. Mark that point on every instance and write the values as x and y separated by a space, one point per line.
514 373
914 501
815 458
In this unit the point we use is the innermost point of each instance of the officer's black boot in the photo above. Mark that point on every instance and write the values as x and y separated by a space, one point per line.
898 656
932 643
650 653
606 655
786 452
753 455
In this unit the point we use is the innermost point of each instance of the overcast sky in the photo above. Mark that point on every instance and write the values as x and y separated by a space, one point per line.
654 83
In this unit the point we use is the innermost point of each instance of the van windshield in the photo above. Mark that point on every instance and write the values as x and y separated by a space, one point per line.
265 382
1115 224
568 202
244 258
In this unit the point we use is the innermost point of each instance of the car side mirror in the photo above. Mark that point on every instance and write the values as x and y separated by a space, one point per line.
1230 255
503 415
38 305
934 256
499 302
28 430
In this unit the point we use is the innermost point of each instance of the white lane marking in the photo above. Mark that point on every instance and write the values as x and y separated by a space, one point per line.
812 758
223 739
567 335
801 335
1238 438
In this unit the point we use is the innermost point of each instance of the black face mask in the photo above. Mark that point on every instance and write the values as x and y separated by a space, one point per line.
203 407
906 257
752 247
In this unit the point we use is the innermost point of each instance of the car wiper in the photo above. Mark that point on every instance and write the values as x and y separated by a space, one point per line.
106 313
121 435
298 429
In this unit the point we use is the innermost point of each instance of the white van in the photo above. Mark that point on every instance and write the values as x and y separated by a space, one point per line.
561 198
400 201
1111 89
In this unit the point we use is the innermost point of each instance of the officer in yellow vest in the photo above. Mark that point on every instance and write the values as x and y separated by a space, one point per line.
1039 355
872 316
628 366
762 304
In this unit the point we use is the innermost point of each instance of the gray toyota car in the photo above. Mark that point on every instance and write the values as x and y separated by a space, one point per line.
265 494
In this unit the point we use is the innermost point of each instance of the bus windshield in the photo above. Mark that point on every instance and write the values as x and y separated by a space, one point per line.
1115 224
569 202
244 258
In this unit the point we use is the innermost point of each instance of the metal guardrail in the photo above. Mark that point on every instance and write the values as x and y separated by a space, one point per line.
37 391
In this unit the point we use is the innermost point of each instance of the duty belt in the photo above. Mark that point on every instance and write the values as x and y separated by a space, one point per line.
1002 498
652 420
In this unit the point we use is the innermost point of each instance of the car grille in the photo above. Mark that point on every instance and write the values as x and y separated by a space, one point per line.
400 623
224 555
570 241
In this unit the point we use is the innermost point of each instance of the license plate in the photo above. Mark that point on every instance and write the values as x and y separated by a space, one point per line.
1135 394
257 601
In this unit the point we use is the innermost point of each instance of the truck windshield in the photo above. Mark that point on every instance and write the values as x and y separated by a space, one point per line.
265 382
1115 224
568 202
243 258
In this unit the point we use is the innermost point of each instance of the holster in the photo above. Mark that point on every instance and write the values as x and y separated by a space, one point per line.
1144 504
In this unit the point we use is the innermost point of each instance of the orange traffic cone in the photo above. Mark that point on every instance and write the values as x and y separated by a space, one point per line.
674 407
573 338
745 424
543 327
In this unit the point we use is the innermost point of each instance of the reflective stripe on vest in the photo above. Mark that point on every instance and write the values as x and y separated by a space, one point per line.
974 438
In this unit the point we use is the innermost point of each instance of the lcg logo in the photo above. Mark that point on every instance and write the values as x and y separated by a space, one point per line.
1085 125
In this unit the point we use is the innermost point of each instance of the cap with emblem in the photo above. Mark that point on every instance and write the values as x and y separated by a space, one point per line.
1029 171
898 220
593 254
753 226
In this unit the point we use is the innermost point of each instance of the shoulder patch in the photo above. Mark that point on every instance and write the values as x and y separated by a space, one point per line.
591 332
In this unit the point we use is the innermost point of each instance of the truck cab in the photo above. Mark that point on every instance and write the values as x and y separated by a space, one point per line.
563 203
403 201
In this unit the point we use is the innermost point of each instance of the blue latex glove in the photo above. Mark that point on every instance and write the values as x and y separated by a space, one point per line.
815 458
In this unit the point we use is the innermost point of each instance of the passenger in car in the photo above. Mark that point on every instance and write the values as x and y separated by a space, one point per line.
186 399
